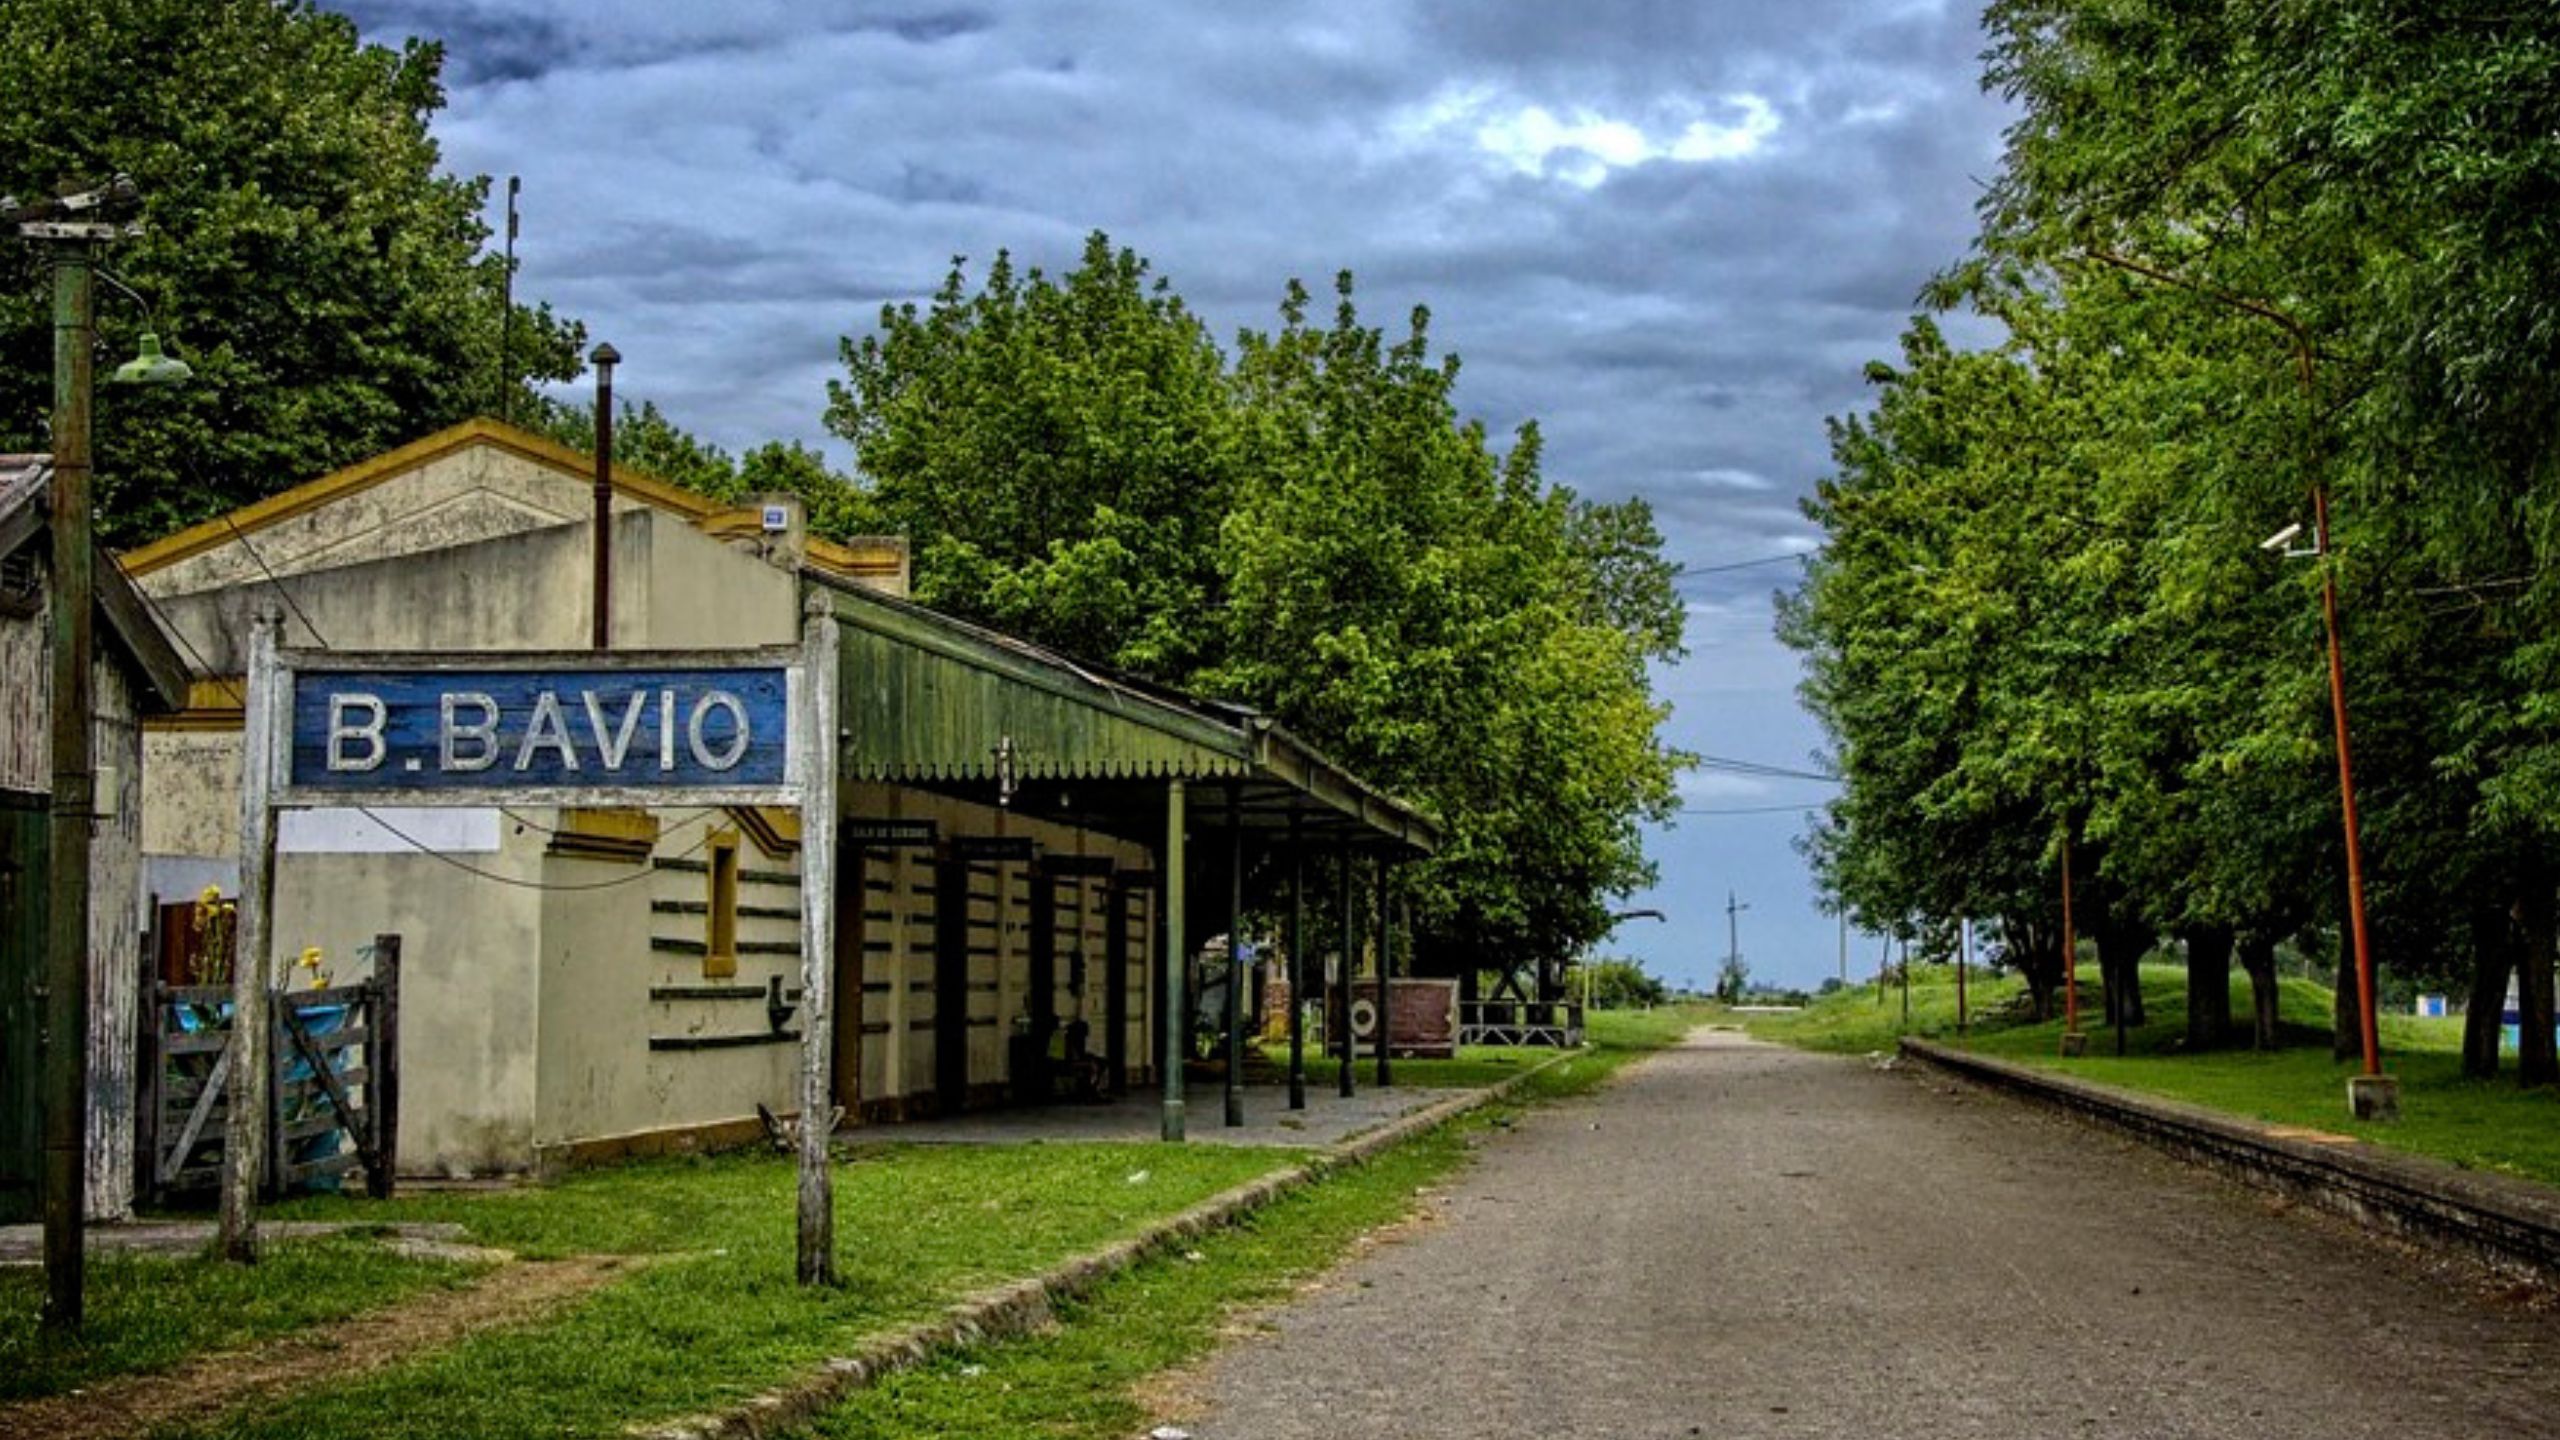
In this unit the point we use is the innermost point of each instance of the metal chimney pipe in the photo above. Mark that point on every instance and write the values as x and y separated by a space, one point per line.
605 358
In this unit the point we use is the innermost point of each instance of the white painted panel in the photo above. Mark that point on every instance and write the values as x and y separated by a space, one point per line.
356 832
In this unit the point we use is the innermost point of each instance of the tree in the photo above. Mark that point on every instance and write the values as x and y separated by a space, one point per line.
1314 531
300 248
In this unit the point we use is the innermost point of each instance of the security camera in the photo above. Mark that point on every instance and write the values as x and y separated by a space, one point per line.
2281 538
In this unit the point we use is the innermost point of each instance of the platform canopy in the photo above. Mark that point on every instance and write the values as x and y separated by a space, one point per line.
937 703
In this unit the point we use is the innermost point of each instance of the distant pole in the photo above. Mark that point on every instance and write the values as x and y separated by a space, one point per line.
1906 982
1844 948
601 609
507 309
1733 941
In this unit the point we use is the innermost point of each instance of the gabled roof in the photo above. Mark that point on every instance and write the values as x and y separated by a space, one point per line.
851 562
938 697
25 482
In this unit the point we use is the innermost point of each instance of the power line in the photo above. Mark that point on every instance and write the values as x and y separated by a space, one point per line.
1746 564
1806 808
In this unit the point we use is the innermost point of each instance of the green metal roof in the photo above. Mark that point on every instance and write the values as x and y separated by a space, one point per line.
931 700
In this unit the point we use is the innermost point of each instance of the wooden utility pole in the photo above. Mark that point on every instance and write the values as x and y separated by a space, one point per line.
817 1238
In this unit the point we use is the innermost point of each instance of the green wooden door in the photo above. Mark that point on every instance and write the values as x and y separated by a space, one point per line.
22 890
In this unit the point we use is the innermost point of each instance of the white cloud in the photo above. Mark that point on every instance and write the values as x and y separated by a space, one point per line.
1583 146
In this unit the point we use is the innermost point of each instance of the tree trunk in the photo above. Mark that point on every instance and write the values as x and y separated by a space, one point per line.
2258 957
2120 949
2537 1058
2037 955
2493 962
2208 986
2346 1032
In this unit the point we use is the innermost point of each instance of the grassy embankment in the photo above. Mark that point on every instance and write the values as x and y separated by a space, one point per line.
2483 1125
715 1316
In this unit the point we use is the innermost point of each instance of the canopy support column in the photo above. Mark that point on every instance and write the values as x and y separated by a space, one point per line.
1297 970
1175 892
1236 971
1338 1005
1386 932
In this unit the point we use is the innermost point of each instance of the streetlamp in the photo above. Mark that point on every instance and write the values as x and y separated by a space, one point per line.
1590 971
2371 1095
70 228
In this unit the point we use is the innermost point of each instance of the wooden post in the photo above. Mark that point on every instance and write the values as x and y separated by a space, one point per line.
1297 970
818 805
1386 967
1338 1004
383 1104
1236 980
1170 1055
71 706
244 1128
147 1063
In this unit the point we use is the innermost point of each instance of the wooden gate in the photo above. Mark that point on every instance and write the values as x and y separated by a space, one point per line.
333 1101
22 910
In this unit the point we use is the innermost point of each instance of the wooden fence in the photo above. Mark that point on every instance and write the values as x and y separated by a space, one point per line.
333 1102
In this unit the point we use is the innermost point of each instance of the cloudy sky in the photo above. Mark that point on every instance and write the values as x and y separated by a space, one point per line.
1672 231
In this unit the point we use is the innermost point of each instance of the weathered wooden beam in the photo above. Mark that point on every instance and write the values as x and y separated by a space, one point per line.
1169 1058
819 803
244 1133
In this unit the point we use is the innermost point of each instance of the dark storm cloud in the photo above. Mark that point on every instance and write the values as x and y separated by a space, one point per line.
1671 231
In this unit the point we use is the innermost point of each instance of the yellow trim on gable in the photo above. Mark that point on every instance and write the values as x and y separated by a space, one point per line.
867 558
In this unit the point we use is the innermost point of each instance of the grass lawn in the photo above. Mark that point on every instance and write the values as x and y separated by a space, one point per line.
715 1316
1081 1381
2482 1125
150 1314
718 1317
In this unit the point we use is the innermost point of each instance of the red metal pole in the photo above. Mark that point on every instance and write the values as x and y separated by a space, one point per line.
2347 789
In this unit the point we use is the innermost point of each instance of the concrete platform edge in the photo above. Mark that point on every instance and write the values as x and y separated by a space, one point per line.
1024 1306
2511 1225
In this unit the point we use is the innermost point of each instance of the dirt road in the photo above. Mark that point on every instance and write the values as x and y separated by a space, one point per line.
1740 1240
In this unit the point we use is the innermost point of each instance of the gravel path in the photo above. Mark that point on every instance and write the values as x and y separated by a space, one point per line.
1740 1240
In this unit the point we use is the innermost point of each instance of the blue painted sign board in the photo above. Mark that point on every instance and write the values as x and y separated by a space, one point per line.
552 729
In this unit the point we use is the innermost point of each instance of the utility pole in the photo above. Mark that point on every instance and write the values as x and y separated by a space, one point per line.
69 230
1733 941
507 309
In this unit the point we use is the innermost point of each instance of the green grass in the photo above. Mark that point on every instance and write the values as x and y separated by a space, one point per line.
2476 1124
147 1314
1080 1381
719 1317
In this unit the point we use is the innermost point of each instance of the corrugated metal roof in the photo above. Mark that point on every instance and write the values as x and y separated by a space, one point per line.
932 699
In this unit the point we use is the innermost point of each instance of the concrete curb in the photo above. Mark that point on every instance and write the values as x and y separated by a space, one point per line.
2512 1225
1024 1306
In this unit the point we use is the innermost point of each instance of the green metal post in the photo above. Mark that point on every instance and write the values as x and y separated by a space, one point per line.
1235 956
1386 967
1174 894
1297 970
1338 1006
65 1036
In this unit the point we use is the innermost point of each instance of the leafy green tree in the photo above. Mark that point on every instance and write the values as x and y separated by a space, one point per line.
1056 449
1314 531
301 251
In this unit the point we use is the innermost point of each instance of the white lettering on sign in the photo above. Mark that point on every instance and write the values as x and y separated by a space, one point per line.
547 730
369 731
702 708
612 747
482 732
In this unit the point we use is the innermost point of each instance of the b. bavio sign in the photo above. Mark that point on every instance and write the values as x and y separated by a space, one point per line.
549 729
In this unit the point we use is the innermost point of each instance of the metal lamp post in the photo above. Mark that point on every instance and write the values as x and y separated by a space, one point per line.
2372 1094
70 228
